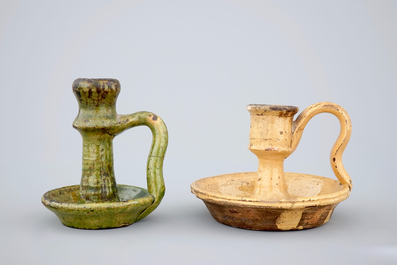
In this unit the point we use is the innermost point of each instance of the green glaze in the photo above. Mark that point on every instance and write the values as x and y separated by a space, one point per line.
99 202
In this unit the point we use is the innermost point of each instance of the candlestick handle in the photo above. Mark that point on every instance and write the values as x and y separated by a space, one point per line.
341 142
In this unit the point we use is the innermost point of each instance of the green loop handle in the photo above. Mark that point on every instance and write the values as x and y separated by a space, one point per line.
155 180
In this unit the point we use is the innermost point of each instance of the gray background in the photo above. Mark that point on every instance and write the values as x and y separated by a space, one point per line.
197 64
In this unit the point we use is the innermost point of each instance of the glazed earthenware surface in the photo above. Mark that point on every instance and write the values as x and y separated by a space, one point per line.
311 203
238 188
98 202
197 64
67 204
71 194
271 199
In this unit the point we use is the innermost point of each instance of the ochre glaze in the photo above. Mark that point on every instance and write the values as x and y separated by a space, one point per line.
271 199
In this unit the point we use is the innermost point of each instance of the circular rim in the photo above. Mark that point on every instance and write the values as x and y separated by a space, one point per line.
47 201
262 108
93 83
300 202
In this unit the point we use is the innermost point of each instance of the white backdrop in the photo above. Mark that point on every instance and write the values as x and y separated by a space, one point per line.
197 64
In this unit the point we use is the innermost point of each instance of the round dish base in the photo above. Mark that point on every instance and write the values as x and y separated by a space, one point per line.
66 204
311 202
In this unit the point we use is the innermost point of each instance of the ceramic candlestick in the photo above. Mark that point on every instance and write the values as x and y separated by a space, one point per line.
98 202
271 199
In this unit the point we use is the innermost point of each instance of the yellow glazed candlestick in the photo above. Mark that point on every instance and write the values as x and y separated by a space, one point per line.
271 199
270 141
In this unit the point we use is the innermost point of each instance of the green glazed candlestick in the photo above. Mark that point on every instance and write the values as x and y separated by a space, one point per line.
98 202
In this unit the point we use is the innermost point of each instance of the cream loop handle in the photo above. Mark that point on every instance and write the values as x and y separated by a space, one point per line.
344 136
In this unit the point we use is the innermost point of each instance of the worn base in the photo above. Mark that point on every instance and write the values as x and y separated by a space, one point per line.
66 204
229 199
270 219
